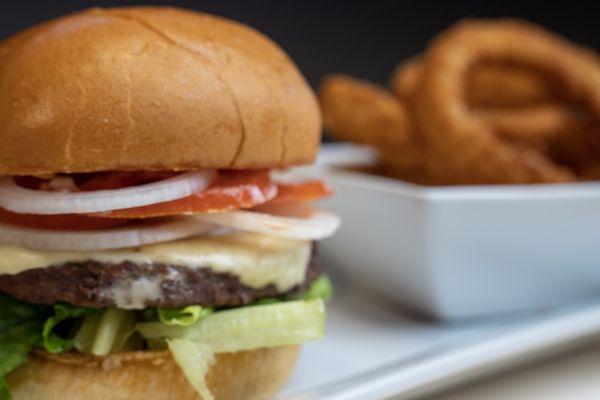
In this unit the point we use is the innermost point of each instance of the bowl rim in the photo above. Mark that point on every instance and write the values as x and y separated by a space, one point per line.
335 156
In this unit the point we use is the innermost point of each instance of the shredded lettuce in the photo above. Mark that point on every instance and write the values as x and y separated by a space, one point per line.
321 288
54 341
194 359
248 328
106 334
193 334
86 335
185 316
266 300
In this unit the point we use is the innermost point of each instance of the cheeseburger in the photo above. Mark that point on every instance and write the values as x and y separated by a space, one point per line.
147 248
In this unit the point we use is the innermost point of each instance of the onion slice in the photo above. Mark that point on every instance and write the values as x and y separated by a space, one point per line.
137 234
22 200
293 221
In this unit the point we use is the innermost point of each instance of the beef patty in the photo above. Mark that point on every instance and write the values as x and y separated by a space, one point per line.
92 283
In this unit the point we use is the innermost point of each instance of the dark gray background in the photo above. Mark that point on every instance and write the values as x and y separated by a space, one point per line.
363 38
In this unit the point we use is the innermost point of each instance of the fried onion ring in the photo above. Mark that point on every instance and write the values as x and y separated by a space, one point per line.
489 84
360 112
471 150
499 85
518 103
406 77
536 126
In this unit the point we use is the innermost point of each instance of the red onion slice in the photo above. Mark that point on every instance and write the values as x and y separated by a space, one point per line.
22 200
293 221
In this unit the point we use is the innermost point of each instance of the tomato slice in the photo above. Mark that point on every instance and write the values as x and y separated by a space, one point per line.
63 222
301 192
111 180
231 190
108 180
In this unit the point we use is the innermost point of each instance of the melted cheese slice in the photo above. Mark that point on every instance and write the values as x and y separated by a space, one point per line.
257 260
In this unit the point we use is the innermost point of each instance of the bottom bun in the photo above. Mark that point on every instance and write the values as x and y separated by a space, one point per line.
246 375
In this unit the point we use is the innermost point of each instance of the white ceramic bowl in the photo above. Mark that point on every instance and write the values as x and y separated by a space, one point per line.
467 251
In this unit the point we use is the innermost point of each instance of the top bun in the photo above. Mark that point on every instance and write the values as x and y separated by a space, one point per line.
150 88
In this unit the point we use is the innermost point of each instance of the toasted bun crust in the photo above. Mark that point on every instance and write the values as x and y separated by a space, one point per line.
150 88
148 375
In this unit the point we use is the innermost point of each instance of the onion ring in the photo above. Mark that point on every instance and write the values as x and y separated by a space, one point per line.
515 101
292 221
536 126
489 84
360 112
137 234
472 152
406 77
22 200
499 85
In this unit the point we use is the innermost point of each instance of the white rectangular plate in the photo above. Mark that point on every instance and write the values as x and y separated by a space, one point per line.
373 351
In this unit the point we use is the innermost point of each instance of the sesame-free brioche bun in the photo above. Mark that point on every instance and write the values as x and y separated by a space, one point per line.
248 375
150 88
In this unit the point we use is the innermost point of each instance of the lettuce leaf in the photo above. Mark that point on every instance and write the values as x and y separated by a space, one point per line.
15 344
4 393
20 330
15 312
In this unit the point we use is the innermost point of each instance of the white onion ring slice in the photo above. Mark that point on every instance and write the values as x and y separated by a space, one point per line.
137 234
18 199
293 221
